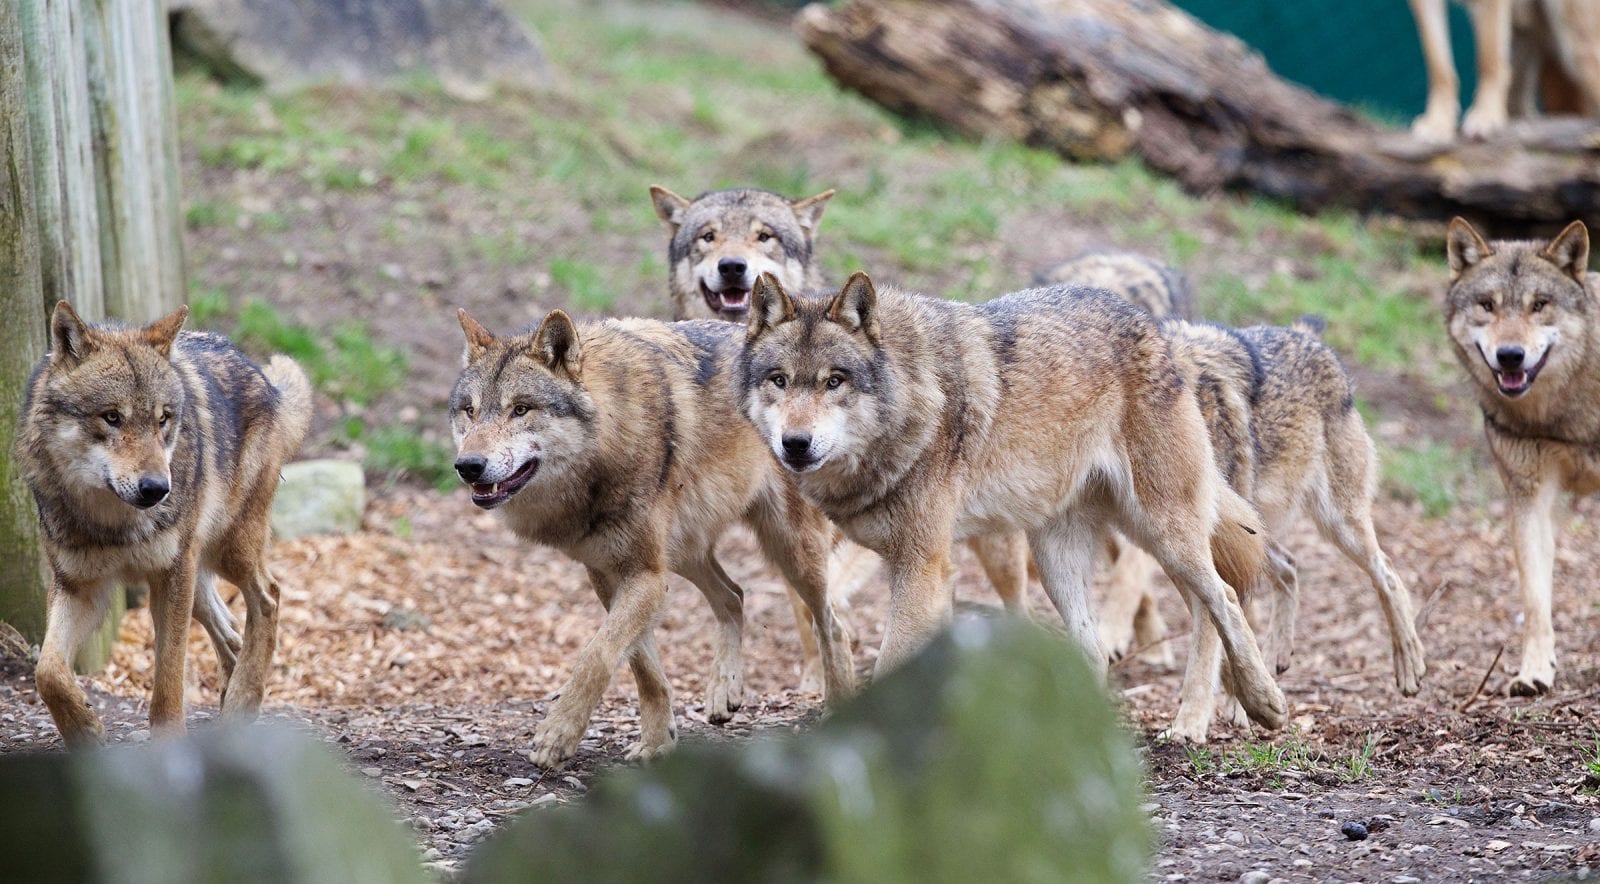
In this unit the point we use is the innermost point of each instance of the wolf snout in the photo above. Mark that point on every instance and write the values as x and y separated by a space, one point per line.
471 466
732 270
796 446
152 490
1510 357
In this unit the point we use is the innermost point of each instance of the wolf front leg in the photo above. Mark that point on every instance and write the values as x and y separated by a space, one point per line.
919 599
171 608
1533 542
73 613
636 603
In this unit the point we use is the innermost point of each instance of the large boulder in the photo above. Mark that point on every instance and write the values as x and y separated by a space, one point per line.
319 497
249 804
470 45
994 755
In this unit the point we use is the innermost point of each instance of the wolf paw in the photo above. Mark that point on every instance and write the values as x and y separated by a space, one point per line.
647 750
1188 734
724 698
1265 704
1408 672
1116 640
554 741
1528 686
1233 712
811 680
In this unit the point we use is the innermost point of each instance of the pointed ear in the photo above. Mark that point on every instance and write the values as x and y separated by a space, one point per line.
809 210
1464 247
70 338
1570 251
161 333
770 306
669 206
556 344
856 306
478 338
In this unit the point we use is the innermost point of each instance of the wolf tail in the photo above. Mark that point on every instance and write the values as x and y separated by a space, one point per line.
294 398
1310 324
1238 547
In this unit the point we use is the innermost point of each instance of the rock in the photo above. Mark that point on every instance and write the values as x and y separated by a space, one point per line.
1255 876
470 45
1354 831
260 803
936 746
319 497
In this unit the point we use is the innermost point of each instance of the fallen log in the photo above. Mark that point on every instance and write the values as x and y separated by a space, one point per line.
1103 79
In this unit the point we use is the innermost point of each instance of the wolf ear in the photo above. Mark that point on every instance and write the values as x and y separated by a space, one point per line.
1570 251
161 333
856 306
770 306
478 338
809 210
556 344
1464 247
70 338
669 206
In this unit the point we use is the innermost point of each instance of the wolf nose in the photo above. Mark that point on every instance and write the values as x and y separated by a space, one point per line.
732 269
1510 358
796 444
153 490
471 467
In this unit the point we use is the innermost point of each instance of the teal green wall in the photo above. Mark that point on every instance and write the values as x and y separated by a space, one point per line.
1363 52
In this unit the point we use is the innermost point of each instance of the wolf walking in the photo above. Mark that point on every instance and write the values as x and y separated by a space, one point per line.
1523 319
594 440
153 455
912 421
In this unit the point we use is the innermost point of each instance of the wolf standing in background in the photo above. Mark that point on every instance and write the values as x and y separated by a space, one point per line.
912 421
1523 318
604 427
724 240
153 455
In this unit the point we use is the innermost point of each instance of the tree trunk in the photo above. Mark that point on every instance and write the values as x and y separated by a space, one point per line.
22 578
1100 79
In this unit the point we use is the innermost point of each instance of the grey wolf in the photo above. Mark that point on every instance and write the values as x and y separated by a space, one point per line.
1281 413
618 443
1522 318
1144 282
1053 412
722 241
1526 50
153 455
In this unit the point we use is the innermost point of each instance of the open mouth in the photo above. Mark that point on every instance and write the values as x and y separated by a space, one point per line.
1515 383
491 494
728 301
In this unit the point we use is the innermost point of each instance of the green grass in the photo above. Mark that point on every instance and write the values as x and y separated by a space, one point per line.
1291 753
401 451
344 362
1435 474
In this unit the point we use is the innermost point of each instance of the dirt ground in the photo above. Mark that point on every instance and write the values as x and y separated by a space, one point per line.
427 647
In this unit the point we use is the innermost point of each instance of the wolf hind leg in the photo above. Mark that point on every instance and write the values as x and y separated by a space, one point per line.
800 546
1004 558
219 623
71 616
1065 549
725 686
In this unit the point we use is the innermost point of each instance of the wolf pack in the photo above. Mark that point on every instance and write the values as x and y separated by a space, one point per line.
1089 421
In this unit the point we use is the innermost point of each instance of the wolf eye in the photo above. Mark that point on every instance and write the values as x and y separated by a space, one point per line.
1487 305
520 410
112 418
709 236
470 412
166 417
1540 304
763 236
834 380
779 381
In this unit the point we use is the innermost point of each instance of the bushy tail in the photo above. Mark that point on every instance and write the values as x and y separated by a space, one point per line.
1310 324
1238 547
294 399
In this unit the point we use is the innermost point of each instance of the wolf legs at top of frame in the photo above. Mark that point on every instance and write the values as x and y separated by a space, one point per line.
801 550
1533 544
635 602
73 614
1491 27
1438 120
725 687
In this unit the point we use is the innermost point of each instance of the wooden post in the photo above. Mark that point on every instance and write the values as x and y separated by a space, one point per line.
97 129
22 579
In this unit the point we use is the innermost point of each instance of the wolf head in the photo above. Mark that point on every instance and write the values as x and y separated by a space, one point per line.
723 241
813 372
107 408
1518 310
519 411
